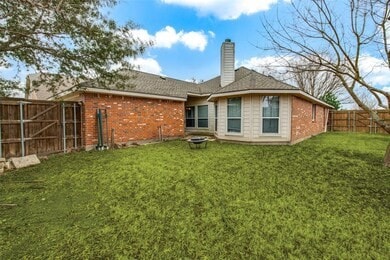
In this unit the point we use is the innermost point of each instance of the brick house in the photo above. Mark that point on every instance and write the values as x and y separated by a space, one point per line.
239 105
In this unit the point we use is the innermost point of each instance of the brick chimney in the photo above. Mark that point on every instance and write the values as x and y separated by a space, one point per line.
227 62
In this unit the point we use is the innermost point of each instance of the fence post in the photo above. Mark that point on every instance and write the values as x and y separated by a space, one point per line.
75 125
81 124
354 121
332 122
63 127
370 126
1 118
21 128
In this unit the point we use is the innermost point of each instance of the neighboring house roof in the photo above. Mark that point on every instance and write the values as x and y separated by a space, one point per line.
37 86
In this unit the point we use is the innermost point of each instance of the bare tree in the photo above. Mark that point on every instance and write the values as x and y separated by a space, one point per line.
307 76
310 78
335 40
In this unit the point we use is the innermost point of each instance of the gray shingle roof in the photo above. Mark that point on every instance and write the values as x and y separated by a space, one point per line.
214 85
146 83
251 80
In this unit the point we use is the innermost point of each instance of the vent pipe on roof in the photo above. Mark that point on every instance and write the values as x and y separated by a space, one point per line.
227 62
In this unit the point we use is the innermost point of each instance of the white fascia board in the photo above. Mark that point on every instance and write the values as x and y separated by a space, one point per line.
197 95
310 97
270 91
131 94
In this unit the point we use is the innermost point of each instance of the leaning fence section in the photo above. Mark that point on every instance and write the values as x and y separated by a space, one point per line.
357 121
39 127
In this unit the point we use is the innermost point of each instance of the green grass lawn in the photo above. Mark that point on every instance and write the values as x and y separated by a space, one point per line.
327 197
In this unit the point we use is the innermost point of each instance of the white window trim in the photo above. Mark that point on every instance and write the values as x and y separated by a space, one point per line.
262 117
196 117
216 117
241 118
313 112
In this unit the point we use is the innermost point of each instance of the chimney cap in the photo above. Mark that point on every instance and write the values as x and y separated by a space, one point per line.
228 40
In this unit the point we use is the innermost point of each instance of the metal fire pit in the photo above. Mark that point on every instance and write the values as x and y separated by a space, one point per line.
197 141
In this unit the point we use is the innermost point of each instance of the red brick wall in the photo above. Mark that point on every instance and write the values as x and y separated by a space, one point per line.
133 119
302 125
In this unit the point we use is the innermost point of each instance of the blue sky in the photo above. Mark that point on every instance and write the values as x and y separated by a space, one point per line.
187 34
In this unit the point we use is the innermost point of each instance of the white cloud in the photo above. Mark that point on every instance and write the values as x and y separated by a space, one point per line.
387 89
212 34
266 64
168 36
141 35
375 70
194 40
226 9
147 65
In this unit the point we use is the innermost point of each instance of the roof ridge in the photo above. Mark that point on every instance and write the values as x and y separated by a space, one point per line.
161 76
273 78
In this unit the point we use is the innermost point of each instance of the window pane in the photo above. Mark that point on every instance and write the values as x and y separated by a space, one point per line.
234 107
313 112
190 122
203 112
271 106
190 112
203 123
190 116
270 125
216 118
234 125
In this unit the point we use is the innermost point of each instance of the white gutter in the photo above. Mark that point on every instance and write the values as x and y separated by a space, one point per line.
197 95
129 94
270 91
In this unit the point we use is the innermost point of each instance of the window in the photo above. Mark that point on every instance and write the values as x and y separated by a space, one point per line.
313 112
203 114
216 118
234 115
271 114
190 116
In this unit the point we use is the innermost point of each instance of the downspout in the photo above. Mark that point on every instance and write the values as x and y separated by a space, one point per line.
1 118
99 129
106 115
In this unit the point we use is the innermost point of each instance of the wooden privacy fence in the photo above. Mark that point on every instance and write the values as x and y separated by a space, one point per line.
356 121
39 127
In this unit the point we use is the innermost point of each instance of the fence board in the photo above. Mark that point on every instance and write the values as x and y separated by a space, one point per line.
36 127
356 121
